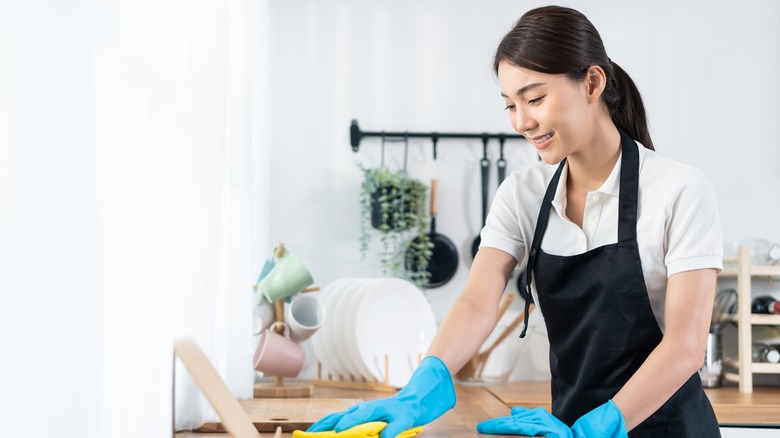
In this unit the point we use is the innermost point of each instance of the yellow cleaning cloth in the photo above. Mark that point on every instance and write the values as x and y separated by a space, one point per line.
365 430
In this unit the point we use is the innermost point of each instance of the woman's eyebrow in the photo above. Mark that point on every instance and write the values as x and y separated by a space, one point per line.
522 91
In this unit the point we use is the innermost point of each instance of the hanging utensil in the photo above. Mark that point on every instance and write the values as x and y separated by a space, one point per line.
724 309
416 246
406 152
382 160
501 164
444 256
485 170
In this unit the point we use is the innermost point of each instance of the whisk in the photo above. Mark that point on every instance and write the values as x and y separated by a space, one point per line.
724 309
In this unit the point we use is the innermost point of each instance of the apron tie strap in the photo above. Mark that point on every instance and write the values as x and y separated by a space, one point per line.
541 226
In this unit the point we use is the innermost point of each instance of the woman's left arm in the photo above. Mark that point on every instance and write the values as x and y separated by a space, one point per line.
688 311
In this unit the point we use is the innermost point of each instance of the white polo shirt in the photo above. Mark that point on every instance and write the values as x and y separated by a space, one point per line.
678 226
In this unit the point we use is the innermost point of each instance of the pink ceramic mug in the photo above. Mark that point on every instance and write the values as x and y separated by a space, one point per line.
277 354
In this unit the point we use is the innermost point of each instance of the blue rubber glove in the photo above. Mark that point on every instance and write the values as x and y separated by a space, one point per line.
427 396
605 421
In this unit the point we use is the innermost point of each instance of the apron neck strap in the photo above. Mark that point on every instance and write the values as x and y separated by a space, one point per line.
629 188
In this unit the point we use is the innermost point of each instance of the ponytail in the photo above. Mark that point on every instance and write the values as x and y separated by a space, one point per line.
625 106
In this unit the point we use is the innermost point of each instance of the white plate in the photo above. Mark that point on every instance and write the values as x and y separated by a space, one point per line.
393 319
344 326
319 338
334 335
347 328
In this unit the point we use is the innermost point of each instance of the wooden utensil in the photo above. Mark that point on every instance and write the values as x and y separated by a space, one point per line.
470 368
214 388
483 356
444 258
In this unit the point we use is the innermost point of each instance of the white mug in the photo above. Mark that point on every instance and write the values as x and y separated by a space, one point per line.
305 314
262 314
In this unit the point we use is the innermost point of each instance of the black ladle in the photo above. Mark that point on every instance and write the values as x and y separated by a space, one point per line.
485 165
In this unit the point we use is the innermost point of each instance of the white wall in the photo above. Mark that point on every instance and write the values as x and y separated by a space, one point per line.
708 72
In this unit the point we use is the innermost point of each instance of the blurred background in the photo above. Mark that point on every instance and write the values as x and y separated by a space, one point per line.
151 153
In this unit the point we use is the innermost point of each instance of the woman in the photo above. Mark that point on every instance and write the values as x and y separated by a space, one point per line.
623 247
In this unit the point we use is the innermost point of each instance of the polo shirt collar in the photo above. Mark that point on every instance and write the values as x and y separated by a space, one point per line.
610 187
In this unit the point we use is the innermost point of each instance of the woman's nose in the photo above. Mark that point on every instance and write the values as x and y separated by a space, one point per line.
523 121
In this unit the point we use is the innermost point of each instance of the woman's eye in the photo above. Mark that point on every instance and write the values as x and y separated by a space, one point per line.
535 101
509 107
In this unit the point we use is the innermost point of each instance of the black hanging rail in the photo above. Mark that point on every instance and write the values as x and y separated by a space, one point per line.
355 135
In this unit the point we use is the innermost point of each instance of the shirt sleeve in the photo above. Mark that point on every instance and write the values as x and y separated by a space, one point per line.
694 238
502 227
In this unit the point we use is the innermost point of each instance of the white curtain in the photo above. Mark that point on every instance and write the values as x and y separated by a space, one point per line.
131 208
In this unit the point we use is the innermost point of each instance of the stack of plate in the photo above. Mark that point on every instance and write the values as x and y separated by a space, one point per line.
368 319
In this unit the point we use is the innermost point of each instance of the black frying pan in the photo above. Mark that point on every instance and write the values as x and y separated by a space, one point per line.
444 260
485 170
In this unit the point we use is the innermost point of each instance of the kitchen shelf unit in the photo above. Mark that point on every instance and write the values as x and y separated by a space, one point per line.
745 273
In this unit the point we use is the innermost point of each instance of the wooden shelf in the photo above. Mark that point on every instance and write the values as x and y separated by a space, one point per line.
756 367
757 319
731 269
745 274
765 368
728 273
765 270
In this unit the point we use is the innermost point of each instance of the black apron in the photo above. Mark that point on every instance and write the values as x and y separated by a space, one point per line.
600 323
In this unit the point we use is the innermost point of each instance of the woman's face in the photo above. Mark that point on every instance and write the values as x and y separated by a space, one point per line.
551 111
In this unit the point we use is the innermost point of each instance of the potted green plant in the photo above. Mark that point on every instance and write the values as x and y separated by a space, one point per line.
394 206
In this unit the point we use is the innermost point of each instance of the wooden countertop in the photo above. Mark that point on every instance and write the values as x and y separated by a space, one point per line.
761 407
475 404
478 403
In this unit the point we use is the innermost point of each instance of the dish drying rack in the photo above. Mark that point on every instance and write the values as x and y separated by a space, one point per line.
353 382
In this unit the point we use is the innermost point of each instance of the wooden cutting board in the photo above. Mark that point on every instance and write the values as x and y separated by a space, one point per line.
289 413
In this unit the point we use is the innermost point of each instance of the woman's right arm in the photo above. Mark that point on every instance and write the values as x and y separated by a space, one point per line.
474 315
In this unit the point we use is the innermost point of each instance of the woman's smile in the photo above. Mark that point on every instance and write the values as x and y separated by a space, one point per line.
542 141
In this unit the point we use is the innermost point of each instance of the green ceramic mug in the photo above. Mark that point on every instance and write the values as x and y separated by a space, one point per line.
288 276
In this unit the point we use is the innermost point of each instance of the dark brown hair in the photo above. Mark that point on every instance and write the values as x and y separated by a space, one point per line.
558 40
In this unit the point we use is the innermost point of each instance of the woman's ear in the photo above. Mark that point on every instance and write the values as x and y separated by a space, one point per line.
595 81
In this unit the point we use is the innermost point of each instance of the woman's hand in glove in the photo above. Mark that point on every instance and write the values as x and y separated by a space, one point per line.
427 396
606 421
